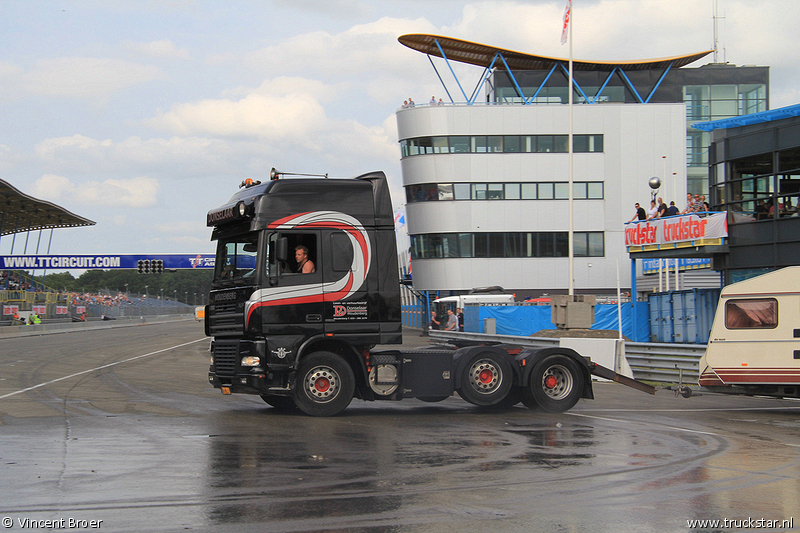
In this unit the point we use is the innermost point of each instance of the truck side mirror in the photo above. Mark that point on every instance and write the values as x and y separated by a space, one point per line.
282 250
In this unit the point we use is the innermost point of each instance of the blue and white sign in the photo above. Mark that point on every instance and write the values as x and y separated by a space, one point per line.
650 266
129 261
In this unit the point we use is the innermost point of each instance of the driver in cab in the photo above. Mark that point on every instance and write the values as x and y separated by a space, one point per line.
304 264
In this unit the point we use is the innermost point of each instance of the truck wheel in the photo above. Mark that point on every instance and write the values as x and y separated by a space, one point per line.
556 384
513 398
281 403
324 385
486 379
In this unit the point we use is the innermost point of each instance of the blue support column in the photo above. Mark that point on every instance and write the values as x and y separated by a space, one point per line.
447 61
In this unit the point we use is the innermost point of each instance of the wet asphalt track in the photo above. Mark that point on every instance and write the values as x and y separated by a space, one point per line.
118 428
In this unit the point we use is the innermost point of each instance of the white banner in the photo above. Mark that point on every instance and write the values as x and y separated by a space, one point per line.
673 230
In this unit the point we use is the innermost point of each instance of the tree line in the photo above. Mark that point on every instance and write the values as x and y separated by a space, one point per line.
186 286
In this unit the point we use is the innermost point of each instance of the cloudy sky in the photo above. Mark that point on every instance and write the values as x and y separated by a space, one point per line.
144 114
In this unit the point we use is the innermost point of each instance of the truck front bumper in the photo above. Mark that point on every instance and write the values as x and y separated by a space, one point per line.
229 374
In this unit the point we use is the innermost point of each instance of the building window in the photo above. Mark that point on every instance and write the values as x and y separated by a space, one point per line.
462 191
529 191
498 144
506 245
428 192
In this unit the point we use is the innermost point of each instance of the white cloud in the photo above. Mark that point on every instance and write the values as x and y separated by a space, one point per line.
135 192
52 187
290 111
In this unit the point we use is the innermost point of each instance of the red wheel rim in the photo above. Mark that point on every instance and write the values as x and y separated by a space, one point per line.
486 376
550 382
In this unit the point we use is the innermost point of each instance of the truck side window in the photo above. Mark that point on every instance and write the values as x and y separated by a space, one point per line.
307 242
759 313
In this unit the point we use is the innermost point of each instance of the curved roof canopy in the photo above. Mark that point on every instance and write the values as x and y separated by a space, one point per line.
20 212
753 118
483 56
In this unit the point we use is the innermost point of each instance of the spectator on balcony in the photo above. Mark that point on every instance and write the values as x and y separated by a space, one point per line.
640 213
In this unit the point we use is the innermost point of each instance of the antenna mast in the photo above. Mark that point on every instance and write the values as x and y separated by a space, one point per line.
715 17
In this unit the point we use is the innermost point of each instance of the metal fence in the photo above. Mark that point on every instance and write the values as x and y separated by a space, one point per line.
660 362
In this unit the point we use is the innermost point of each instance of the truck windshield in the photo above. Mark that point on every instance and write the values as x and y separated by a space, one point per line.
236 258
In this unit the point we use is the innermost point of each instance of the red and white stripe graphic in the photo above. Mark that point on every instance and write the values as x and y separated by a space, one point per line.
331 291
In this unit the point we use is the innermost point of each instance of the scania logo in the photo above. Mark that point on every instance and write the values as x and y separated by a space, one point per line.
222 296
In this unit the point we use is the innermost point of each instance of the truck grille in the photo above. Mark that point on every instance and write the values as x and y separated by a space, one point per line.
225 358
225 308
223 320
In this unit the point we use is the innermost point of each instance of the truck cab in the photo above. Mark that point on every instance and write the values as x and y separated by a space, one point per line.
265 315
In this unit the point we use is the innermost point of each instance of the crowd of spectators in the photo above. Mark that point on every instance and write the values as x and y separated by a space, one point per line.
100 299
9 281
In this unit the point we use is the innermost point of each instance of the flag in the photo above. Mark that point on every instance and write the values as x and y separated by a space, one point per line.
567 15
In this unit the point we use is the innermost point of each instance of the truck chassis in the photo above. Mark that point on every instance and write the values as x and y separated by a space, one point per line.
500 376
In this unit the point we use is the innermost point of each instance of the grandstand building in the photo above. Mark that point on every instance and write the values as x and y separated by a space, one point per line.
487 177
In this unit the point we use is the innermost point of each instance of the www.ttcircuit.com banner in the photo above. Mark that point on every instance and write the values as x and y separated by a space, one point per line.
50 262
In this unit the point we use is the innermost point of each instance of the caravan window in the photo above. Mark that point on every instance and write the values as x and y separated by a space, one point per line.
759 313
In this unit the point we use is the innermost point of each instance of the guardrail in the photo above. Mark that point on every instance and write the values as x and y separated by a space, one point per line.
52 327
661 362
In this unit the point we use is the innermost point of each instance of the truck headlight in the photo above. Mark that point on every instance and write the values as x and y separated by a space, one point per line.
251 360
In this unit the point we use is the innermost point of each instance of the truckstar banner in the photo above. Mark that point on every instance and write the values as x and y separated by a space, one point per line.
676 230
50 262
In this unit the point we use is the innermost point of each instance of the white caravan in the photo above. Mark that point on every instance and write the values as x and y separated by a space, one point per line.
754 346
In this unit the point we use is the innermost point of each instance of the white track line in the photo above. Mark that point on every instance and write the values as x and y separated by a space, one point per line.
662 426
99 368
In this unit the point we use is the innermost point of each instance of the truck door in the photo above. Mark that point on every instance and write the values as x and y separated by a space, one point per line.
292 300
351 305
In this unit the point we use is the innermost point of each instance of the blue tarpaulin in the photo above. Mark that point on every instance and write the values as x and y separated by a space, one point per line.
525 320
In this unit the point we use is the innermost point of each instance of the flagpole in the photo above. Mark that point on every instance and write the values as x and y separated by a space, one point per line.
569 147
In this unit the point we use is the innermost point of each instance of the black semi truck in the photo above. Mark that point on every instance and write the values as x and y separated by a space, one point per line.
306 284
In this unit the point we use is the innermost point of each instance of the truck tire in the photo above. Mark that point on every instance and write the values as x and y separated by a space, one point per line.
556 385
281 403
486 379
433 399
324 385
513 398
